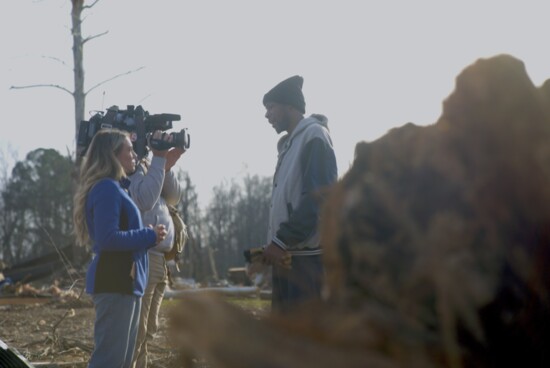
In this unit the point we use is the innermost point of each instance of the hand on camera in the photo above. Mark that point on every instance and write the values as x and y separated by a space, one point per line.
159 135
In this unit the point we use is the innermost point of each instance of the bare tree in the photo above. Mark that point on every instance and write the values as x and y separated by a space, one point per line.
79 93
236 219
219 218
196 255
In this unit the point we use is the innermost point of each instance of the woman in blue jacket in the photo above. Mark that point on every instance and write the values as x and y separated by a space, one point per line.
106 216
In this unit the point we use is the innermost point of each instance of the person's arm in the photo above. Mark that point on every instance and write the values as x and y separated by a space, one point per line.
172 190
145 188
106 206
319 171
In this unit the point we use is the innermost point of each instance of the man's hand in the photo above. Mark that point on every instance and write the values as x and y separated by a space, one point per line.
275 255
172 156
157 134
254 268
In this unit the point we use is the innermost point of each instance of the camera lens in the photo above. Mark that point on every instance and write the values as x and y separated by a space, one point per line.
181 139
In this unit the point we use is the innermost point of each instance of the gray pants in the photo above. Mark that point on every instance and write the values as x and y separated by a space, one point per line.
115 330
150 306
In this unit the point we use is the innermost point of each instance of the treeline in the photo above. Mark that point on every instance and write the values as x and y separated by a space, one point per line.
36 216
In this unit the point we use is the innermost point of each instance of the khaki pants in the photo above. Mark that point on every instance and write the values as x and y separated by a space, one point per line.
150 306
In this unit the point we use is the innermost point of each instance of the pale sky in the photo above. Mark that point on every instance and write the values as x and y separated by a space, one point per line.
368 66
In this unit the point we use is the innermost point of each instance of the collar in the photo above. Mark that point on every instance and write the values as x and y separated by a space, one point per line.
125 183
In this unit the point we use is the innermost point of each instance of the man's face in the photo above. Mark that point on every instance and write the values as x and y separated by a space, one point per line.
277 115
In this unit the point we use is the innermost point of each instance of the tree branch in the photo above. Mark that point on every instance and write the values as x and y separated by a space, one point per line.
84 7
43 85
55 59
110 79
90 6
95 36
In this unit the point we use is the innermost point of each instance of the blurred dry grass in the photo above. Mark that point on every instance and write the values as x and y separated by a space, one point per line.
436 247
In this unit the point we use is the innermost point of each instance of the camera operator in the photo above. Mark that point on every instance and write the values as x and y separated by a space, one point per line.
153 187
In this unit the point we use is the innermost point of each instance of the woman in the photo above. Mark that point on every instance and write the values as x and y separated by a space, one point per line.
117 275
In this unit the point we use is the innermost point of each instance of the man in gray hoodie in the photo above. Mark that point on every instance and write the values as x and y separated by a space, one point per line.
154 186
306 164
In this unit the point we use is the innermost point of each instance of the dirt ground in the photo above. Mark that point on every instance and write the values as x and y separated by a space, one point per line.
58 333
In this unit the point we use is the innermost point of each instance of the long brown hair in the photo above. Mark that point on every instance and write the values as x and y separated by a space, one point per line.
100 162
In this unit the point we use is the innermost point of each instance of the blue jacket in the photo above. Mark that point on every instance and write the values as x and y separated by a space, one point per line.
120 242
306 164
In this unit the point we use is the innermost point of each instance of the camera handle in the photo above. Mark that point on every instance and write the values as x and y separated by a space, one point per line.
140 143
160 144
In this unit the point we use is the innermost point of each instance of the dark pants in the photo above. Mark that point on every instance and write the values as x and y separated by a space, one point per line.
301 283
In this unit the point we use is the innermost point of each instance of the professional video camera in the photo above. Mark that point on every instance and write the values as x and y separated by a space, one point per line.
139 123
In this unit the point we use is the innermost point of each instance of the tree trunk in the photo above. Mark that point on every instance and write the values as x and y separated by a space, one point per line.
212 262
78 51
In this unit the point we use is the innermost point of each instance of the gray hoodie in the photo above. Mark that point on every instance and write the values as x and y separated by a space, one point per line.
306 163
152 189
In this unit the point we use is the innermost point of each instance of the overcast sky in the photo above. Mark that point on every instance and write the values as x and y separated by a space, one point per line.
367 65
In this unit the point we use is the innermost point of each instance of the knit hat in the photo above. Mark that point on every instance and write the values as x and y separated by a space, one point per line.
288 92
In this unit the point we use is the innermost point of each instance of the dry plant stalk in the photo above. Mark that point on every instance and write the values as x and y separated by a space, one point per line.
436 247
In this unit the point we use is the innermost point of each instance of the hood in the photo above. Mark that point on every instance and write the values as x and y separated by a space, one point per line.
322 119
312 119
302 125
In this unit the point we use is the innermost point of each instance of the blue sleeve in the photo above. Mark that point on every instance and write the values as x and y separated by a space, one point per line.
319 171
106 206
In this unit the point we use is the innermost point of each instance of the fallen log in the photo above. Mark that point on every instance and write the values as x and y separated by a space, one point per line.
236 291
75 364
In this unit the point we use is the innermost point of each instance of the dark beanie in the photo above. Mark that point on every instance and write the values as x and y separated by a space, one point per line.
288 92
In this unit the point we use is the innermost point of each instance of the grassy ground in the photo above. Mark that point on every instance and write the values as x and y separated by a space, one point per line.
251 304
53 331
